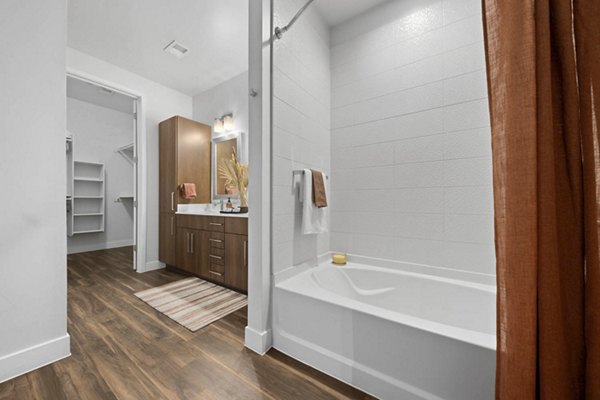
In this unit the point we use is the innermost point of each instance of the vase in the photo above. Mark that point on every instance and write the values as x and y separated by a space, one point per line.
243 200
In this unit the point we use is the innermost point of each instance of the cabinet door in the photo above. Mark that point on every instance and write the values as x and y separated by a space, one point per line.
185 250
166 240
167 165
236 261
194 158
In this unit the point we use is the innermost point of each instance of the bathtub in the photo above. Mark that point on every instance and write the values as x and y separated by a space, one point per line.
393 333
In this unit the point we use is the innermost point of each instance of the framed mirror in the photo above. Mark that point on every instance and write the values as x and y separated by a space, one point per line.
222 148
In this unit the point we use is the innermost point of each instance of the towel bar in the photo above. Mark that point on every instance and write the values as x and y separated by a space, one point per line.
301 172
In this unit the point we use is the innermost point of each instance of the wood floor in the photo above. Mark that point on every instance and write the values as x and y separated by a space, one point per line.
123 349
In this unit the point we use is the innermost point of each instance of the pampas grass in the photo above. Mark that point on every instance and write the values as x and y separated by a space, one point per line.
235 175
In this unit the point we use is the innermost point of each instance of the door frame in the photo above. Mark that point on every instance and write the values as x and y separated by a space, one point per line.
141 171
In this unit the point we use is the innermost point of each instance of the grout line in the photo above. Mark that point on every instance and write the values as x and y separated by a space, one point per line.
442 80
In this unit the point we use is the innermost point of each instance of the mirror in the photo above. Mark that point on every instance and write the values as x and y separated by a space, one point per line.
222 149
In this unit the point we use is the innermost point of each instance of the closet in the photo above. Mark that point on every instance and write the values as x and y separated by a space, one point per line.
100 167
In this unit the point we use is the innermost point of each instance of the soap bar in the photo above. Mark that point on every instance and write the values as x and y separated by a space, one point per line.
339 259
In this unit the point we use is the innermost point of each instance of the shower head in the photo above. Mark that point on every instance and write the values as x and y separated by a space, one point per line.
280 31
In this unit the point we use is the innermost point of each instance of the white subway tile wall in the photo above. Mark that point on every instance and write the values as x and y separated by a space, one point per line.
410 134
301 127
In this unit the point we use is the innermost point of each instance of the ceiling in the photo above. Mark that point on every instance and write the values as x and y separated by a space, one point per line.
335 12
84 91
132 34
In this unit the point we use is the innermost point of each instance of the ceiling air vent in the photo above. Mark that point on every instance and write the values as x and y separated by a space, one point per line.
177 49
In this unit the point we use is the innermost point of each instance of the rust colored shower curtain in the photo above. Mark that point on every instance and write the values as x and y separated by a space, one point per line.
543 62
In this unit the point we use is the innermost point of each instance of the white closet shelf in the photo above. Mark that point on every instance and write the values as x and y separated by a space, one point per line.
88 197
87 214
127 152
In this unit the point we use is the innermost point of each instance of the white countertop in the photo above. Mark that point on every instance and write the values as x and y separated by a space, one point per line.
206 210
212 214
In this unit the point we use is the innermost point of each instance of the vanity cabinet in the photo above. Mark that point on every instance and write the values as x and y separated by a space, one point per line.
166 238
236 262
214 248
186 259
184 157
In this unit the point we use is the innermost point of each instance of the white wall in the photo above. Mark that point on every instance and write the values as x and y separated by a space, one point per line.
160 103
33 281
229 97
301 127
411 163
97 132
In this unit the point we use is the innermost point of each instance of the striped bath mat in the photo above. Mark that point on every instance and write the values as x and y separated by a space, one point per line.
192 302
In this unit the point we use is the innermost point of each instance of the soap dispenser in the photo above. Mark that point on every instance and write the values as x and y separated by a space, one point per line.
229 204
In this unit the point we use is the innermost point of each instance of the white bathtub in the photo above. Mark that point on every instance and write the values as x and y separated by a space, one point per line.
392 333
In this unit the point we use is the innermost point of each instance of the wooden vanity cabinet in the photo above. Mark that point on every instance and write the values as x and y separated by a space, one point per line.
236 264
214 248
184 157
185 259
166 238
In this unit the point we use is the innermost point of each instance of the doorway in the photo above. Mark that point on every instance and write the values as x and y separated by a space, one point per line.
103 168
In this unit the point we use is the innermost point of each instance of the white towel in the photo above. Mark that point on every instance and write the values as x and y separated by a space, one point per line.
314 219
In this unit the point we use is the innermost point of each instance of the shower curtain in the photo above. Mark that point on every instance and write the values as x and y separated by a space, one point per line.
543 62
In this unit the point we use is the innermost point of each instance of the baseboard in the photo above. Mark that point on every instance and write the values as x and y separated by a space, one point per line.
99 246
34 357
153 266
258 342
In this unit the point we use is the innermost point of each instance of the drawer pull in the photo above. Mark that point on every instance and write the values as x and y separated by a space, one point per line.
215 224
216 240
217 257
215 273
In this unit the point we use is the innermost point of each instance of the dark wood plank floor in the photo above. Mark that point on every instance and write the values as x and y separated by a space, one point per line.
123 349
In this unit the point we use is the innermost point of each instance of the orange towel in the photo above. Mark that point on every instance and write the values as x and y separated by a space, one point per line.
318 188
188 191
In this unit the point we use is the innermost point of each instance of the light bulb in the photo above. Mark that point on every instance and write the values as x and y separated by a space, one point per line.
228 122
218 125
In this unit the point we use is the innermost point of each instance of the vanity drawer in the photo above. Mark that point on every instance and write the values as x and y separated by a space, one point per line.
237 225
216 244
215 251
216 240
217 268
216 224
191 221
217 235
216 259
216 276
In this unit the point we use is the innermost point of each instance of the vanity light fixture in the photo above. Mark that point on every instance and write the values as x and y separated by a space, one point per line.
218 125
223 124
228 122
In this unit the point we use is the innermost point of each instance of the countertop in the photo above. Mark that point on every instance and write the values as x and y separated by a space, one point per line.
211 214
